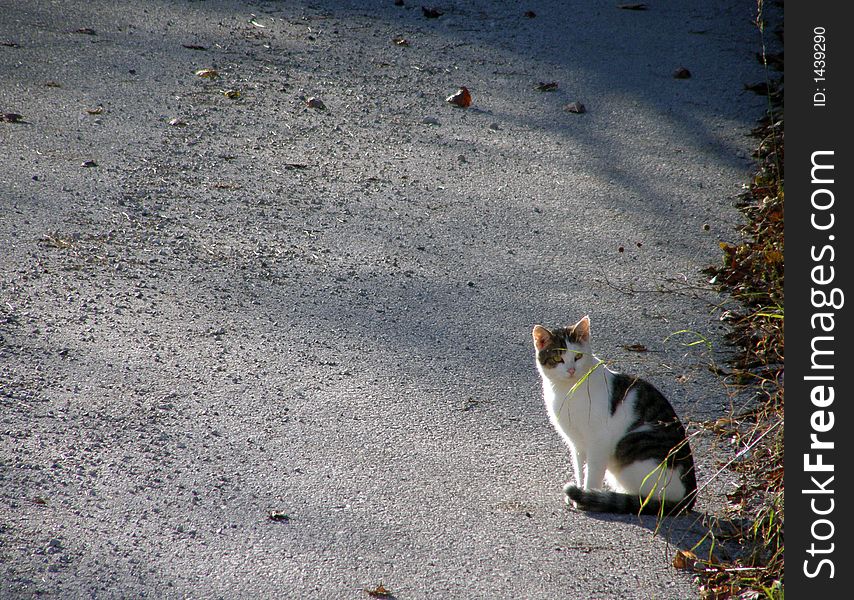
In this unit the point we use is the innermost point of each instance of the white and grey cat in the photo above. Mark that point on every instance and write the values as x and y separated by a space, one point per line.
619 428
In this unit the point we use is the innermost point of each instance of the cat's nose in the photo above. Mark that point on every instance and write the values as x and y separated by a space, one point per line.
571 371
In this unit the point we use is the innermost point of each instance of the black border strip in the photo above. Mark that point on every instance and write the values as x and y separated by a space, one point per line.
819 232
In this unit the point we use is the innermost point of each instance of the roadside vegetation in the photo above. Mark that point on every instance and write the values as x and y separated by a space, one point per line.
751 272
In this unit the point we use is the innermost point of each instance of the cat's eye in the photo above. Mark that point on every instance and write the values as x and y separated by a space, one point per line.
578 355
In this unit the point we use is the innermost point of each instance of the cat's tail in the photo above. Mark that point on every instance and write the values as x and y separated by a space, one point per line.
616 502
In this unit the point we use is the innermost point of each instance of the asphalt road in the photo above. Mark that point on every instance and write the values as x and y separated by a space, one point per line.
217 301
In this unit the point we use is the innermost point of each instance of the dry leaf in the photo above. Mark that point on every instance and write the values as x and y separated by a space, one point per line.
546 86
194 47
575 107
177 122
12 118
635 348
95 111
208 73
89 163
233 94
633 6
684 559
400 41
85 31
461 98
379 592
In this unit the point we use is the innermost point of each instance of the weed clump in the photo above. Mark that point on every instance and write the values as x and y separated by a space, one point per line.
752 273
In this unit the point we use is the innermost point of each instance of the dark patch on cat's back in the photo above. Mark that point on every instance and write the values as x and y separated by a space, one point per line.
621 385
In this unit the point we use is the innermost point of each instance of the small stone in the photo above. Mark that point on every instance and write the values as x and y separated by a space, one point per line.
681 73
430 121
575 107
315 102
278 515
88 163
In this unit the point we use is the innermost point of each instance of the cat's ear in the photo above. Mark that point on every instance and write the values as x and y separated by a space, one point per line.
542 337
581 330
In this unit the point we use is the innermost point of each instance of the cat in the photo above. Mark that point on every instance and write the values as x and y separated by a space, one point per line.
617 426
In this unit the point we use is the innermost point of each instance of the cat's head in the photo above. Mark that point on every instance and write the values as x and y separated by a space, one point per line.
564 353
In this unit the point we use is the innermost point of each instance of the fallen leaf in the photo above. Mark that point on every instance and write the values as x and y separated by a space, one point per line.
208 73
633 6
278 515
56 241
88 163
546 86
95 111
400 41
194 47
40 501
257 24
233 94
379 592
10 44
681 73
12 118
685 560
292 165
575 107
52 84
177 122
635 348
314 102
431 13
430 121
85 31
461 98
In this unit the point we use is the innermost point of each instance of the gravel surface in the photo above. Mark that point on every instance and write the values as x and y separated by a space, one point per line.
304 288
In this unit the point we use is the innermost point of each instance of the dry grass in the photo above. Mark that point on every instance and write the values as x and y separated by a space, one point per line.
752 272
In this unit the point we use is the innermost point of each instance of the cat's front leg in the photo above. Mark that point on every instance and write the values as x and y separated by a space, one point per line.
594 473
579 459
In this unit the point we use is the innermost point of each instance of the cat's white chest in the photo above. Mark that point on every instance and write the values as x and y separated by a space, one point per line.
583 416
